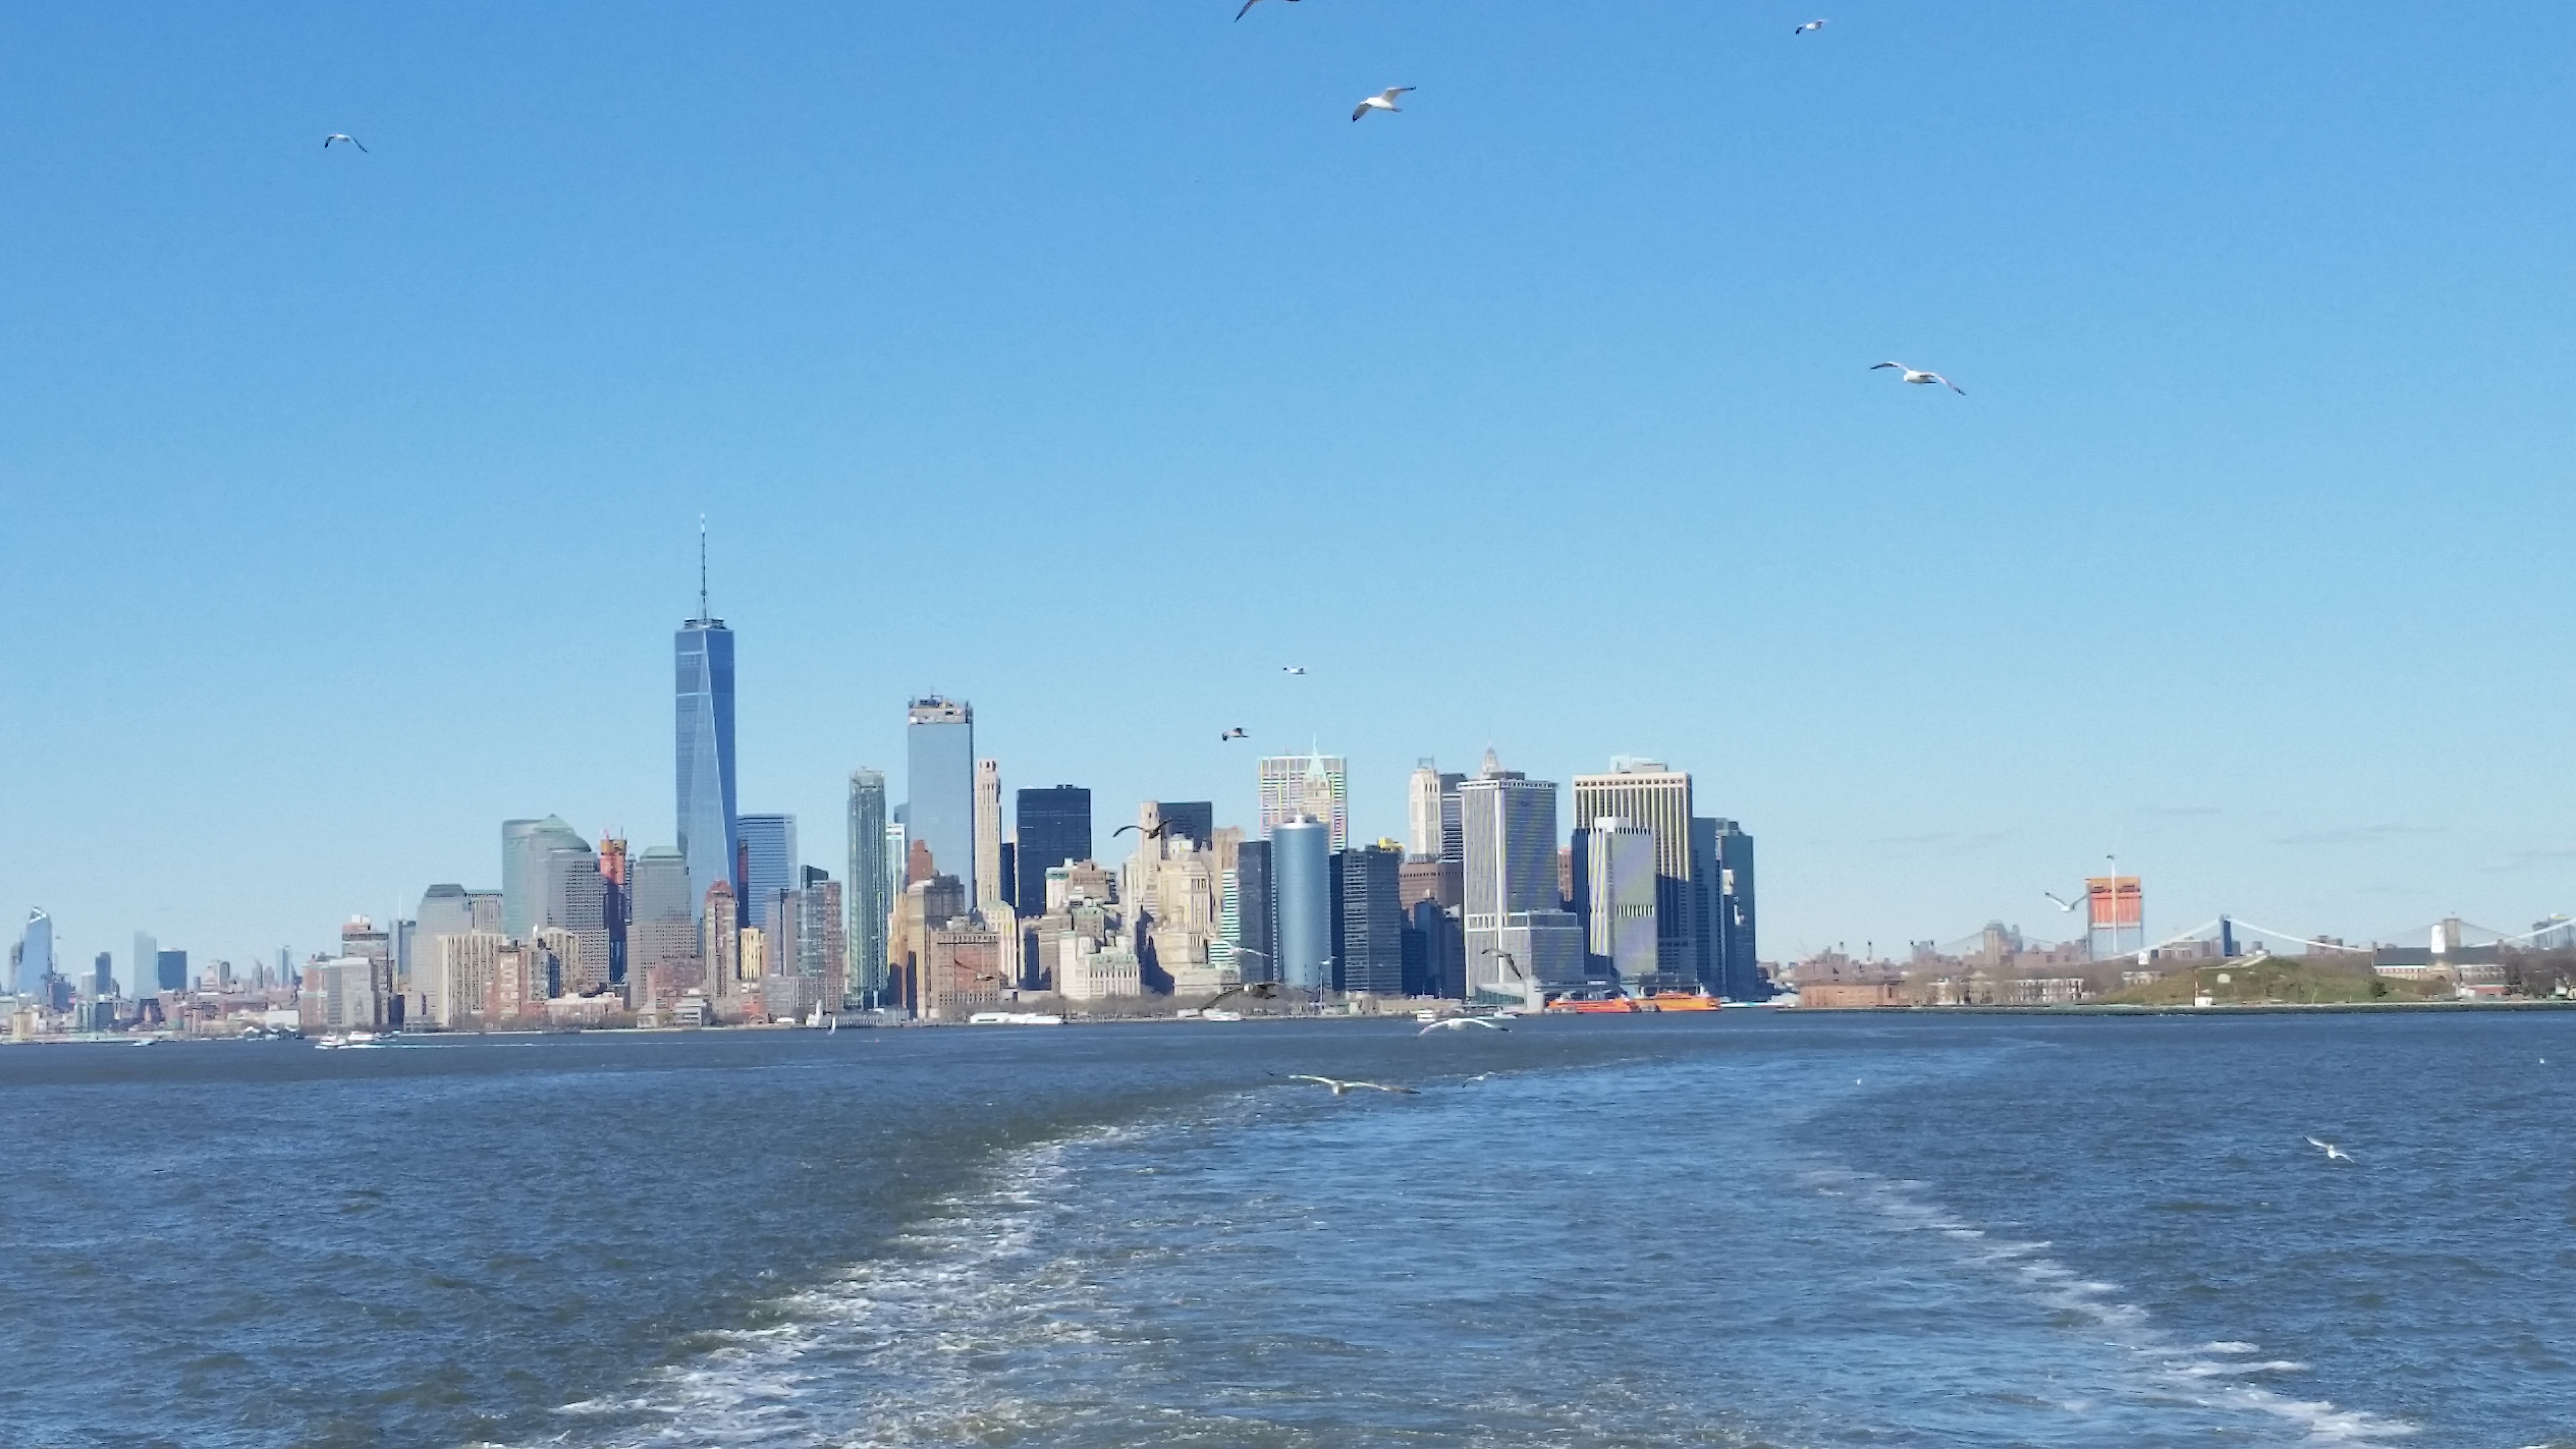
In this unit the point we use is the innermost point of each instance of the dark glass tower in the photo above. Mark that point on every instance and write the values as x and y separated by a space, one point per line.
1055 829
709 823
1193 818
1372 920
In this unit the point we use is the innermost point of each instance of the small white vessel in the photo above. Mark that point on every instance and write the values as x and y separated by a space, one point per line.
1220 1014
1014 1018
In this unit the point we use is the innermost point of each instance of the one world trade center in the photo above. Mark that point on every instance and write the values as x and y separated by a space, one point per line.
709 834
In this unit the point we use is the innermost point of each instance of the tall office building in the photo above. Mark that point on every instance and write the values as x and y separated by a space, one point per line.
1055 830
703 719
1372 919
143 968
1619 911
102 977
1301 859
36 954
614 902
1730 962
576 901
1518 937
524 847
445 910
870 891
769 843
1431 813
1195 819
664 931
171 969
821 950
939 761
1254 935
1312 786
990 887
1658 801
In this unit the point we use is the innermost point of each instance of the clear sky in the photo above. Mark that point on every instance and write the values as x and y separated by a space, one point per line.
1085 361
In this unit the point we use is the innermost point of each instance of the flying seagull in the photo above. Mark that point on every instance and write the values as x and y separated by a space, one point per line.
1235 733
1247 8
1914 376
1508 959
1454 1023
1339 1086
2332 1152
1257 990
1154 834
1292 668
1810 25
1383 101
2061 902
342 136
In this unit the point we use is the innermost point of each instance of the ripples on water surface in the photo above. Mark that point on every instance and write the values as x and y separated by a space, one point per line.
1748 1231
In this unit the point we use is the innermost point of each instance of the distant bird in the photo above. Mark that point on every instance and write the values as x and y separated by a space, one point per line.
1453 1023
342 136
1154 834
2061 902
1339 1086
1247 8
2332 1152
1810 25
1510 960
1257 990
1292 668
1383 101
1920 378
1235 733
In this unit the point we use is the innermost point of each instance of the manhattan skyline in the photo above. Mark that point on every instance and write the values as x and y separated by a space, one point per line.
2226 565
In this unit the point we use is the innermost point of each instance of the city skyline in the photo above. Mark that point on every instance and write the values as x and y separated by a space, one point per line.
2234 425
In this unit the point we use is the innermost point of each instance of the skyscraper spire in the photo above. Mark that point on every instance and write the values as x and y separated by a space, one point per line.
702 566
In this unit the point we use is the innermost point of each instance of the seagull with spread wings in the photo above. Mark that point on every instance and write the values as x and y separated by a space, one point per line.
1457 1023
2332 1152
1919 377
1810 25
1341 1087
342 136
1235 733
1383 101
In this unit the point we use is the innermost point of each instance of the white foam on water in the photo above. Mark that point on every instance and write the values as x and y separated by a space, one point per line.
2213 1375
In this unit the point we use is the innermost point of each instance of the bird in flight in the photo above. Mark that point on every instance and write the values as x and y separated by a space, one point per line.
1247 8
1154 834
1921 378
1257 990
1455 1023
1508 959
342 136
1292 668
2061 902
1810 25
1339 1086
2332 1152
1383 101
1235 733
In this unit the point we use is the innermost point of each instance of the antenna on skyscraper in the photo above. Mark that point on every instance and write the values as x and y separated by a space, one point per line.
702 566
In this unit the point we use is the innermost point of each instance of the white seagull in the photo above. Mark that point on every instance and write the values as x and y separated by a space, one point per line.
1453 1023
1810 25
1292 668
2332 1152
1383 101
1339 1086
1914 376
342 136
2061 902
1247 8
1235 733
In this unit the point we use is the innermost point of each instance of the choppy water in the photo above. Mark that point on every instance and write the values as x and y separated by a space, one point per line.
1751 1231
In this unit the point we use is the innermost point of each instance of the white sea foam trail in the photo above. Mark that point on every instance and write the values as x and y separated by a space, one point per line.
2219 1379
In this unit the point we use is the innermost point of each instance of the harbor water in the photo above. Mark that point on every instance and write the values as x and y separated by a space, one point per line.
1753 1229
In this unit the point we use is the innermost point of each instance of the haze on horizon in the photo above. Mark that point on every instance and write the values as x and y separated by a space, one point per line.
1087 364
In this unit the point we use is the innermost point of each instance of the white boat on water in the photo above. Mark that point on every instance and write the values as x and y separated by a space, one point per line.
350 1041
1014 1018
1220 1014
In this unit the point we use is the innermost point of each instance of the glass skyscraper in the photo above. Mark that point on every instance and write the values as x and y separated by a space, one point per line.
939 761
703 700
870 895
769 842
525 845
1301 859
1055 829
36 954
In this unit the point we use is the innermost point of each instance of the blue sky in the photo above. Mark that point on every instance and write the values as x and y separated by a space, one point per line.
1087 363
